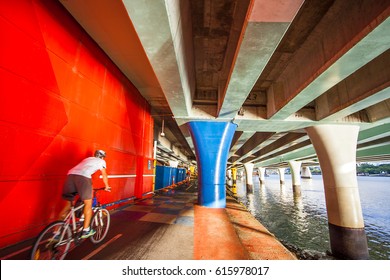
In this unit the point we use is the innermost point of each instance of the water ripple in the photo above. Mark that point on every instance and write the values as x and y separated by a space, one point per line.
302 222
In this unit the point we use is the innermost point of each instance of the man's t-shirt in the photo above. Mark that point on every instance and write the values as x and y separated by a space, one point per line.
88 166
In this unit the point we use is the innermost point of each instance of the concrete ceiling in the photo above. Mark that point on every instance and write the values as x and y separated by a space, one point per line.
272 67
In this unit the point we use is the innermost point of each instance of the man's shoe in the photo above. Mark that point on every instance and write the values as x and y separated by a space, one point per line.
87 234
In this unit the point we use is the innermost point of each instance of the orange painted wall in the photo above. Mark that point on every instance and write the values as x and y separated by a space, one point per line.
61 98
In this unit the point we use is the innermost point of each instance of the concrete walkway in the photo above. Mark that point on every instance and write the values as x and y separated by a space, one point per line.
171 226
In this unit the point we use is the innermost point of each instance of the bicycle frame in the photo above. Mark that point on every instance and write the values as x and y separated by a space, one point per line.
70 221
54 241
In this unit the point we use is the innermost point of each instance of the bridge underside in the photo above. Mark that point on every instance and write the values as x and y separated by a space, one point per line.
271 82
272 67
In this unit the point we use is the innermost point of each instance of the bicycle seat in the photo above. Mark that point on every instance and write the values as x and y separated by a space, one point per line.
69 196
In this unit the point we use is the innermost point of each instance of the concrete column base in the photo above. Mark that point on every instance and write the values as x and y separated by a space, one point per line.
249 177
297 190
295 167
348 243
261 171
281 175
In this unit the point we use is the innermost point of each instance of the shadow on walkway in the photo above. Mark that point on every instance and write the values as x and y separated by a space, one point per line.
171 226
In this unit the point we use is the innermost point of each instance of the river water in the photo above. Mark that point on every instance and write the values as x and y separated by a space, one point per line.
302 222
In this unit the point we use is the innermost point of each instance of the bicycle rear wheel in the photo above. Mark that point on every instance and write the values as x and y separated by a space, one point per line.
100 223
48 246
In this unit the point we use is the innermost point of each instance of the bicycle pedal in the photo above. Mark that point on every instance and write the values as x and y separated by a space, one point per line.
78 239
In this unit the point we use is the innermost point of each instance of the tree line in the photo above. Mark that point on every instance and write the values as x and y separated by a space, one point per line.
369 168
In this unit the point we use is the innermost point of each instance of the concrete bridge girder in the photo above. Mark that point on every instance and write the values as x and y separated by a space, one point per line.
332 85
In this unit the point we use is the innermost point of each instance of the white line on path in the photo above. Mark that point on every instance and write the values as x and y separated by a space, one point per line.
94 252
16 253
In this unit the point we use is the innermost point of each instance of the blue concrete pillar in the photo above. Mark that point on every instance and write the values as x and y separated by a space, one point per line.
212 143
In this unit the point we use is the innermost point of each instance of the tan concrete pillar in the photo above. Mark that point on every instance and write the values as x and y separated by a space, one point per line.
261 175
281 175
336 150
295 167
306 173
229 177
242 175
249 177
240 187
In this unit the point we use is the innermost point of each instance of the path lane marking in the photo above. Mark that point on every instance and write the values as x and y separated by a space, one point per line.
97 250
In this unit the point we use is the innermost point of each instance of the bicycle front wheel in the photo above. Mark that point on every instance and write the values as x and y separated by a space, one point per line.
100 223
52 243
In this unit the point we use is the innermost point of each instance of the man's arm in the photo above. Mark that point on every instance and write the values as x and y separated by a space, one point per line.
105 179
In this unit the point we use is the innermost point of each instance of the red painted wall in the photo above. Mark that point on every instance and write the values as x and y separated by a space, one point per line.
61 98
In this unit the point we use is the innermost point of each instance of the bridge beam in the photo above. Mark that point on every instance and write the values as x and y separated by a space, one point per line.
336 149
212 142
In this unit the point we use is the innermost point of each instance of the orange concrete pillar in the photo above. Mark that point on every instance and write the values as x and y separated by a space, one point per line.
336 150
295 167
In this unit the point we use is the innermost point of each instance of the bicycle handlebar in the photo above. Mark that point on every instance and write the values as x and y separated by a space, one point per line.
103 188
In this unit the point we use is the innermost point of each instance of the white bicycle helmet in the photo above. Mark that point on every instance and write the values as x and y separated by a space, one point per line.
100 154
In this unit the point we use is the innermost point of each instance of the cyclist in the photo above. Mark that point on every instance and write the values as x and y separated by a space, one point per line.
79 180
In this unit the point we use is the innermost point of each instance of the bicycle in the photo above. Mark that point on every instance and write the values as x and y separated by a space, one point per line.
54 241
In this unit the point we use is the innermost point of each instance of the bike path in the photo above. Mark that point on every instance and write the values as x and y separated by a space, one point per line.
171 226
158 228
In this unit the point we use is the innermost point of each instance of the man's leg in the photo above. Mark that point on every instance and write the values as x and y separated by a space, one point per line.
65 210
87 212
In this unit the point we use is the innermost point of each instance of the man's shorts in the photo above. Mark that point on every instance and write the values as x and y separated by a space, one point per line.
77 184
